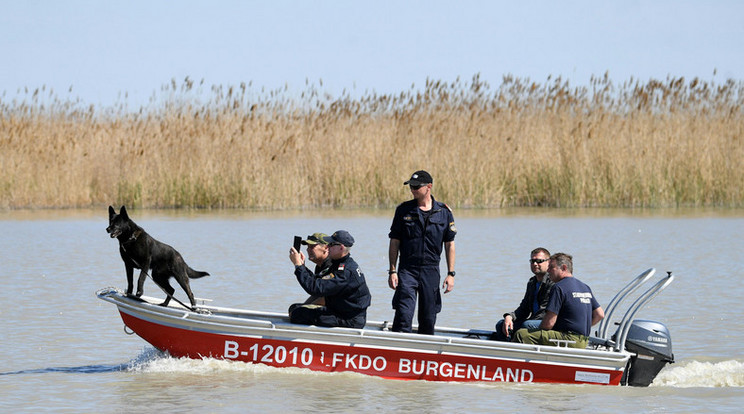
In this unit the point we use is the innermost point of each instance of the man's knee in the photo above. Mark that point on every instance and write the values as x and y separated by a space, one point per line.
535 337
292 307
523 336
531 324
304 314
498 333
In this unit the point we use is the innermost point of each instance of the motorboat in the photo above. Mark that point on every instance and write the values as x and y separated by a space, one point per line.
632 354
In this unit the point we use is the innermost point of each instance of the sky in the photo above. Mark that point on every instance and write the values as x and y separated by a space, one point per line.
99 50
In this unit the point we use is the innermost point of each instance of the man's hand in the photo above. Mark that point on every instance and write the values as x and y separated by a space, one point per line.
393 281
508 324
449 283
297 258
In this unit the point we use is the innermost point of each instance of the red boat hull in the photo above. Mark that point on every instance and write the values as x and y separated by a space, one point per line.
386 362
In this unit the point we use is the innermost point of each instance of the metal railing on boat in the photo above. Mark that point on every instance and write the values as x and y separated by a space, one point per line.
620 297
623 326
627 320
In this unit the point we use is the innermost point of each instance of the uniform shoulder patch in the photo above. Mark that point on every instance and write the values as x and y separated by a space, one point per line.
452 227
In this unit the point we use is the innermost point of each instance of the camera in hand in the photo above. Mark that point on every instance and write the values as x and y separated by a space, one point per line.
297 243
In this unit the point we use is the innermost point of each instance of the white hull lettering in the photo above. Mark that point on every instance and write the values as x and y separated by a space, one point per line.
358 362
269 354
300 356
462 371
231 349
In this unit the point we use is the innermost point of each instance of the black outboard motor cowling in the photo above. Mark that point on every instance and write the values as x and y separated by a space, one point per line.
652 344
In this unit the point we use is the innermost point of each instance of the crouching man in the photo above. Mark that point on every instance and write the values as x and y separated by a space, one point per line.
343 286
571 312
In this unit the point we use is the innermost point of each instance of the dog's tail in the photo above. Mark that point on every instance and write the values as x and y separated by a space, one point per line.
193 274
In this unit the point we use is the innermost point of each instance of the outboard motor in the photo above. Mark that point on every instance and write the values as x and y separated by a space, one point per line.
652 344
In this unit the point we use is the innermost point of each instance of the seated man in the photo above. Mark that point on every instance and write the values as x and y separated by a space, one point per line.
571 312
531 310
317 252
343 286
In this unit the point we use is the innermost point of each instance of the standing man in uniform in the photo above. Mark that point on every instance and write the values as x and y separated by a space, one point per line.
420 228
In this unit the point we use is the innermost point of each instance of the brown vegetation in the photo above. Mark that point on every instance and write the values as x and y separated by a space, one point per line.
660 143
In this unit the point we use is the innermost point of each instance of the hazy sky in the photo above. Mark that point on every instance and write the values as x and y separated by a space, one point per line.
104 48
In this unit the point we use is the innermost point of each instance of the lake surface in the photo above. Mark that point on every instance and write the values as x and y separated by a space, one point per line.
66 351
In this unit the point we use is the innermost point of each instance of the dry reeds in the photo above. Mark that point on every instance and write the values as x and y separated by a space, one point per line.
653 144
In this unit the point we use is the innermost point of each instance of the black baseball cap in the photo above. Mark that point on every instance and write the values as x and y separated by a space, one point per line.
420 177
340 236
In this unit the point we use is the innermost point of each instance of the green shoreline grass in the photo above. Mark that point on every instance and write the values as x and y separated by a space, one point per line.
652 144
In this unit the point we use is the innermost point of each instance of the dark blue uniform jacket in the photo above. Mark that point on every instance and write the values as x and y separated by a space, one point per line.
343 286
422 237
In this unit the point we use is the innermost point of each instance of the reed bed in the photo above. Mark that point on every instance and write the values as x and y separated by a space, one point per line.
657 143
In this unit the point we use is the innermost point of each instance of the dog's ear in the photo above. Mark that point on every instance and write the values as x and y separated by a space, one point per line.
123 212
112 212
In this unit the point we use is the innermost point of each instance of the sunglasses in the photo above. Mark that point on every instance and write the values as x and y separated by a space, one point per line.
538 261
416 187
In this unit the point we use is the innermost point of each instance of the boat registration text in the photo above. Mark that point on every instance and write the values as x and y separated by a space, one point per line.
390 364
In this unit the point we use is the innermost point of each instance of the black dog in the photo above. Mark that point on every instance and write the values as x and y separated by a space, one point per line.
140 251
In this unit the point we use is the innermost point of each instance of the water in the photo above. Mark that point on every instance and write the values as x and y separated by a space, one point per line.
65 351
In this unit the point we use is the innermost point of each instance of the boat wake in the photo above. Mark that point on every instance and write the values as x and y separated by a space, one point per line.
85 369
152 360
684 375
702 374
